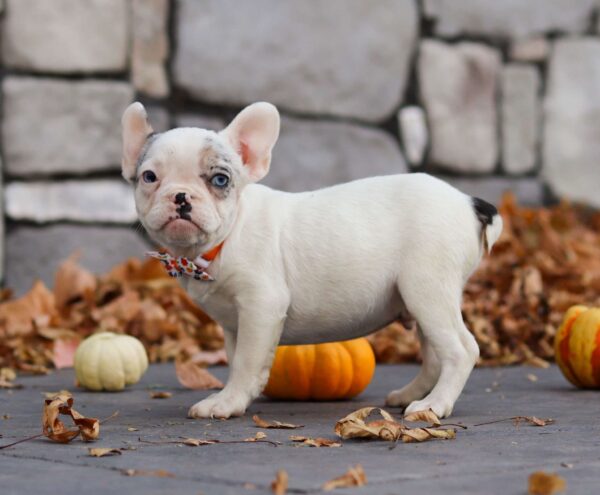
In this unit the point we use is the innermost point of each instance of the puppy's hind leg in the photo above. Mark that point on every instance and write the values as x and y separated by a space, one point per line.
425 380
436 307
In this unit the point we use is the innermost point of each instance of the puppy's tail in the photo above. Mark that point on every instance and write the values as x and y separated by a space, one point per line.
491 222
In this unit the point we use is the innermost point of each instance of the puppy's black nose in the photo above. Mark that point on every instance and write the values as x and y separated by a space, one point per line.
180 198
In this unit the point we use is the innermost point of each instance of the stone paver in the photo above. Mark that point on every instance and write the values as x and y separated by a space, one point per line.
491 459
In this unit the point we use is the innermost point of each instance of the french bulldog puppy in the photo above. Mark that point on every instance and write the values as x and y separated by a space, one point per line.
318 266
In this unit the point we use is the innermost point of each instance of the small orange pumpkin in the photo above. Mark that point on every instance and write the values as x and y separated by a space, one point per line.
577 346
337 370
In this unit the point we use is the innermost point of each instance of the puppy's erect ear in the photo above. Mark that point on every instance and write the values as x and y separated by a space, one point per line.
136 130
253 134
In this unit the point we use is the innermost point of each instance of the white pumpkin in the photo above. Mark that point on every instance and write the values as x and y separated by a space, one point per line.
109 361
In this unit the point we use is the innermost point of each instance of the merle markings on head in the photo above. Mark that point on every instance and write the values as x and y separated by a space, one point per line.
188 180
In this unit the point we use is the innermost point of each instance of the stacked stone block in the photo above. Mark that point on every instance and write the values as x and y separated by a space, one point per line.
491 96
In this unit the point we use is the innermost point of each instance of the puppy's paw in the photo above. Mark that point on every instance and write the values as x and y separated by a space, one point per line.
440 406
220 405
402 397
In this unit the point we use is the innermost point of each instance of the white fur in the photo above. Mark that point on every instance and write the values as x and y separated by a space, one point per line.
328 265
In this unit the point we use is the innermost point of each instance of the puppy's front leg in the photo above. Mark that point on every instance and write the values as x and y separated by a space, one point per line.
258 335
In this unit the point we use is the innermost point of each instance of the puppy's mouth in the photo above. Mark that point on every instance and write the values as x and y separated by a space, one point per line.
181 223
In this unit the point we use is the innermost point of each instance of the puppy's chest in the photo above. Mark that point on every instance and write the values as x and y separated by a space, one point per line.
213 302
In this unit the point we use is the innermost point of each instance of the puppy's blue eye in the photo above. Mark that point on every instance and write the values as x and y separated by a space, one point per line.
149 176
219 180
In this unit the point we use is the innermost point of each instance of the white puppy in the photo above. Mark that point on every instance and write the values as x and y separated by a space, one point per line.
311 267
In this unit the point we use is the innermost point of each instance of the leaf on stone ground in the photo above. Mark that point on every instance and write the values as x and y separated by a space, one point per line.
72 283
542 483
355 426
131 428
261 423
103 452
7 375
159 473
161 394
355 476
52 425
532 420
425 416
55 429
89 427
279 485
314 442
51 395
410 435
260 435
196 442
194 376
63 353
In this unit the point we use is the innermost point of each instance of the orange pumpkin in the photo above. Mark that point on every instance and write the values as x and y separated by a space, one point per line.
577 346
337 370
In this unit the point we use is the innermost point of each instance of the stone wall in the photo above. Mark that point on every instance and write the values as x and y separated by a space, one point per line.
488 95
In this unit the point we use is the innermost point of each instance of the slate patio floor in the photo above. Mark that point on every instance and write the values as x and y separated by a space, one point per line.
489 459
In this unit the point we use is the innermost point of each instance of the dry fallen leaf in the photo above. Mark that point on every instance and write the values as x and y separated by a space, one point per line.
532 420
279 485
7 375
425 416
104 452
355 426
159 473
542 483
261 423
314 442
51 395
19 317
63 353
422 434
55 429
260 435
196 442
72 282
89 427
355 476
194 376
160 394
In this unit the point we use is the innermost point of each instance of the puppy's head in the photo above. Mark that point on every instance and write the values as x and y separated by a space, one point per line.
188 181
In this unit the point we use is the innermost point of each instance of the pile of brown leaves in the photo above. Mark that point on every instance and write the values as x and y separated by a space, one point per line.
546 260
42 328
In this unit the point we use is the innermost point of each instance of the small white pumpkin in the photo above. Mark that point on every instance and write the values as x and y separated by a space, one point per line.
109 361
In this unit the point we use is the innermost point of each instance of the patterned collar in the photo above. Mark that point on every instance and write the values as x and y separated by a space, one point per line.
178 266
